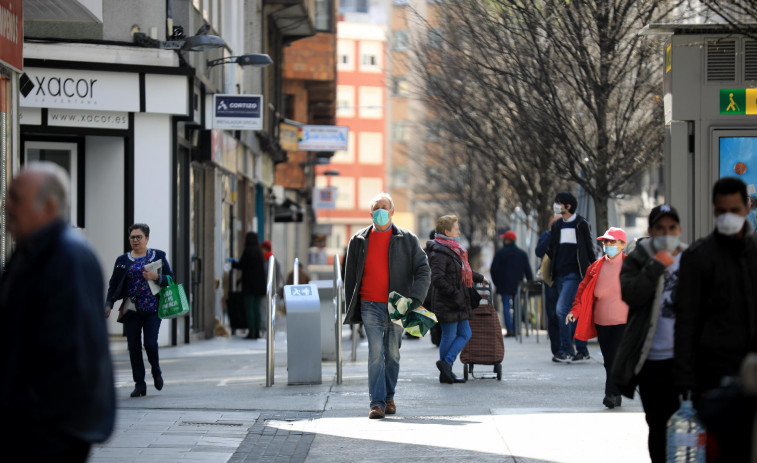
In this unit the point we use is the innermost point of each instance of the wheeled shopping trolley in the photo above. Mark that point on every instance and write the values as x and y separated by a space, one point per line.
486 346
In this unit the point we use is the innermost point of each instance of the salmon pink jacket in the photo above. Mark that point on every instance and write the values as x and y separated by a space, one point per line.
583 304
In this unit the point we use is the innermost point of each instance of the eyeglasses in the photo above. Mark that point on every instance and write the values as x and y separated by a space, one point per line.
136 237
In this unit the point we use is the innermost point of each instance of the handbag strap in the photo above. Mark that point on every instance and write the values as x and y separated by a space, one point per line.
169 280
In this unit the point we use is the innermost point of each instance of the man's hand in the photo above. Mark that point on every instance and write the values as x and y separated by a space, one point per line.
107 311
664 257
569 319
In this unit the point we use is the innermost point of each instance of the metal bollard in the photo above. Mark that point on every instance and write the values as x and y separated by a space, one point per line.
338 304
270 334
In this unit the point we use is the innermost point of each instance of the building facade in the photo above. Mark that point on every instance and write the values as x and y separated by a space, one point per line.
123 95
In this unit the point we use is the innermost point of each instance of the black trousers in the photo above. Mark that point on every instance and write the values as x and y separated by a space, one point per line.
659 397
609 340
553 324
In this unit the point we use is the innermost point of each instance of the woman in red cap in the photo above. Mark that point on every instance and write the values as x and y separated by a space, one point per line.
600 309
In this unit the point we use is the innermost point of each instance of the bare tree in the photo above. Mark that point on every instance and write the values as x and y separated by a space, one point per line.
552 90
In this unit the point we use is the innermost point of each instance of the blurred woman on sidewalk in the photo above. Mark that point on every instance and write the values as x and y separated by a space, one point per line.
450 293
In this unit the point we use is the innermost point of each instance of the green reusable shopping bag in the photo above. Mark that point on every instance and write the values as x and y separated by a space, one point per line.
173 300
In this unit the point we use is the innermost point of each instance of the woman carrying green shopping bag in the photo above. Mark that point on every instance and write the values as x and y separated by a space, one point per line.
137 278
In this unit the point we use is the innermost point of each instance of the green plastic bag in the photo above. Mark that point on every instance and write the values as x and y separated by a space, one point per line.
173 300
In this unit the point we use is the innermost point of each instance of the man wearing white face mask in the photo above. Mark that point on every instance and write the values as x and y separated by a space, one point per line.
644 358
570 251
716 313
382 258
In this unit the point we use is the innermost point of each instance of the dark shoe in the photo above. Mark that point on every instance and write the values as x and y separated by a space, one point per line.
510 334
376 413
445 372
581 357
456 379
390 409
562 357
137 392
158 380
611 401
444 367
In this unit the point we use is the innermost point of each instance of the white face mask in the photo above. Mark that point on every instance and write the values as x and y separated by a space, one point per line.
557 208
666 242
729 223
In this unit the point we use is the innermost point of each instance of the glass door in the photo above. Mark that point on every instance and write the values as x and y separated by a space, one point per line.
66 156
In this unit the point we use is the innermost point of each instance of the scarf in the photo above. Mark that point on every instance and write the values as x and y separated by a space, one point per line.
267 256
461 253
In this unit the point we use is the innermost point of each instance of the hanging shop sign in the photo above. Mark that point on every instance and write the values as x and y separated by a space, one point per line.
323 138
238 112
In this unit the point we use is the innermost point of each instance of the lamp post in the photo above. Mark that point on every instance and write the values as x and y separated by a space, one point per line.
256 60
200 42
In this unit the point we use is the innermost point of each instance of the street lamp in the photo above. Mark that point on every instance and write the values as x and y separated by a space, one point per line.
200 42
256 60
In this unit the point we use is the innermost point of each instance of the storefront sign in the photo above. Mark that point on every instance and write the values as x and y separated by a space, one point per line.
238 112
324 198
94 119
288 134
323 138
79 89
12 33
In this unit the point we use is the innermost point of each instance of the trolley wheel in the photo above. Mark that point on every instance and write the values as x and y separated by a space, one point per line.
498 370
465 372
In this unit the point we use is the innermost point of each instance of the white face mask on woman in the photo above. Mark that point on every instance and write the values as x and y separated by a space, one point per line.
729 223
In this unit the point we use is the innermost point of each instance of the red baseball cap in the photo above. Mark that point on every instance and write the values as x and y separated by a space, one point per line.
509 235
614 233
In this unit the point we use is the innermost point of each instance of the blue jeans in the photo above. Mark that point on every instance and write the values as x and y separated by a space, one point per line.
506 298
455 336
384 340
567 286
134 324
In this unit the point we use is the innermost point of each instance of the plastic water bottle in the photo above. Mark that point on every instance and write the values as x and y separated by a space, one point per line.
685 436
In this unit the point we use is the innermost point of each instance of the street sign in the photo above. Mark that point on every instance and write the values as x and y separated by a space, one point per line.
323 138
237 112
324 198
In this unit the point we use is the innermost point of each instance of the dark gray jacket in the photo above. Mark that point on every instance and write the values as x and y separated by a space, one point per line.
409 273
641 285
716 310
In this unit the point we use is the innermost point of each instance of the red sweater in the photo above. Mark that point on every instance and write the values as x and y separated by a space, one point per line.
375 283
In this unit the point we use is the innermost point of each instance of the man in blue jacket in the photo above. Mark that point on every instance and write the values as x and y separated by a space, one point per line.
56 377
509 266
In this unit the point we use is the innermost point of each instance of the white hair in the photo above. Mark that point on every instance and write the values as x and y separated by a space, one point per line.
378 198
55 184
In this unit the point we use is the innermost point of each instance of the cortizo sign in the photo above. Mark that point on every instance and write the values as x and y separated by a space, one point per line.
79 89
